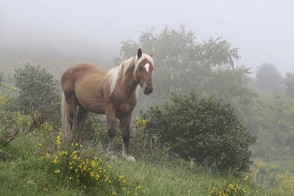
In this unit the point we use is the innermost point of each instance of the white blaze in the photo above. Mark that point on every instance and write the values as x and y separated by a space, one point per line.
147 67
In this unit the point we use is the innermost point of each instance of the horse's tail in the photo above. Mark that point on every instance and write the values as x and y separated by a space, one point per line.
65 127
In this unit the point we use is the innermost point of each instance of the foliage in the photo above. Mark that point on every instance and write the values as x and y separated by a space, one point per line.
1 78
273 177
202 128
94 130
286 181
268 77
38 94
229 189
273 124
289 84
11 123
88 173
14 124
183 63
28 172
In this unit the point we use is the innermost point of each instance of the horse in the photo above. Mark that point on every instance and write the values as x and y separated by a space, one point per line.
87 88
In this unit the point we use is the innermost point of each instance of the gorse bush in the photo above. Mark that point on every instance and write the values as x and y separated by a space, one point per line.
88 173
201 128
229 189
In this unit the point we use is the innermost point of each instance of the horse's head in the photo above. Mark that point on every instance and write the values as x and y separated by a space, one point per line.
143 72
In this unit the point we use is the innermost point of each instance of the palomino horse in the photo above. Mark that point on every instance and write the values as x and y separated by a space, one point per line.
87 88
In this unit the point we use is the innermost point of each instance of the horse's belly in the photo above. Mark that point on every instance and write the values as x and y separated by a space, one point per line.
98 109
93 105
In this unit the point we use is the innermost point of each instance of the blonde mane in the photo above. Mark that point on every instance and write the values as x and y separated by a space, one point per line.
113 74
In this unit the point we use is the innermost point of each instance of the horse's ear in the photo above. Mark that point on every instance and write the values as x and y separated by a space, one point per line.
139 53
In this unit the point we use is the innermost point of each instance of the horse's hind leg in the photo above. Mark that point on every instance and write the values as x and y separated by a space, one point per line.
125 127
110 118
82 115
72 120
81 134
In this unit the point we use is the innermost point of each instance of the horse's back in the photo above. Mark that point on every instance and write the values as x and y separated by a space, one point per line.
79 71
81 76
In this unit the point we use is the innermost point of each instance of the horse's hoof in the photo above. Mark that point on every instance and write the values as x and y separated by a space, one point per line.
130 158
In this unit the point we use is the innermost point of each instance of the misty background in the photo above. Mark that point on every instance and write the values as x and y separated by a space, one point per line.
91 30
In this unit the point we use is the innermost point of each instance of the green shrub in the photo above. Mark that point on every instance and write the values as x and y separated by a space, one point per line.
38 94
201 128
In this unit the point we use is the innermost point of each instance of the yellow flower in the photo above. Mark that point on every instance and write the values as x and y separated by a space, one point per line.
140 122
246 178
139 187
57 171
121 178
58 137
55 161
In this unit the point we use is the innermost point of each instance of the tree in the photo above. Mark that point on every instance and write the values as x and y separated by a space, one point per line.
289 84
1 78
268 77
182 63
38 95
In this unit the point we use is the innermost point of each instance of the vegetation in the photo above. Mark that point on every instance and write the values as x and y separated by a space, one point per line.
38 94
190 143
289 83
201 129
268 77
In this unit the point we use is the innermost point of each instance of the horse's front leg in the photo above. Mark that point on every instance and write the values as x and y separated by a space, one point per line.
110 118
125 127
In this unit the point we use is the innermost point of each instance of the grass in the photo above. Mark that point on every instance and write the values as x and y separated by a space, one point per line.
166 178
24 170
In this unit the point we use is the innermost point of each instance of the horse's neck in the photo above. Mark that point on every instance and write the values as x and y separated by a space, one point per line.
127 81
126 86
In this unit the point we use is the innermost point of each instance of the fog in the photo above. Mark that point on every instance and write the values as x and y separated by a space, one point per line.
262 30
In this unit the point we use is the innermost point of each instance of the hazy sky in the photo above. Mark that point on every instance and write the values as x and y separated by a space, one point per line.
262 29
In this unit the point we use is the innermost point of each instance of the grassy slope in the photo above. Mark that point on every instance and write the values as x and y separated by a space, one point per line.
22 172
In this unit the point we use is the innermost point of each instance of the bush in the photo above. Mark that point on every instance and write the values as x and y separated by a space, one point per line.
201 128
38 94
79 169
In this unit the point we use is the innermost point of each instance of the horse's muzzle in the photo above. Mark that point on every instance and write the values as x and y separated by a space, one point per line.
148 91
